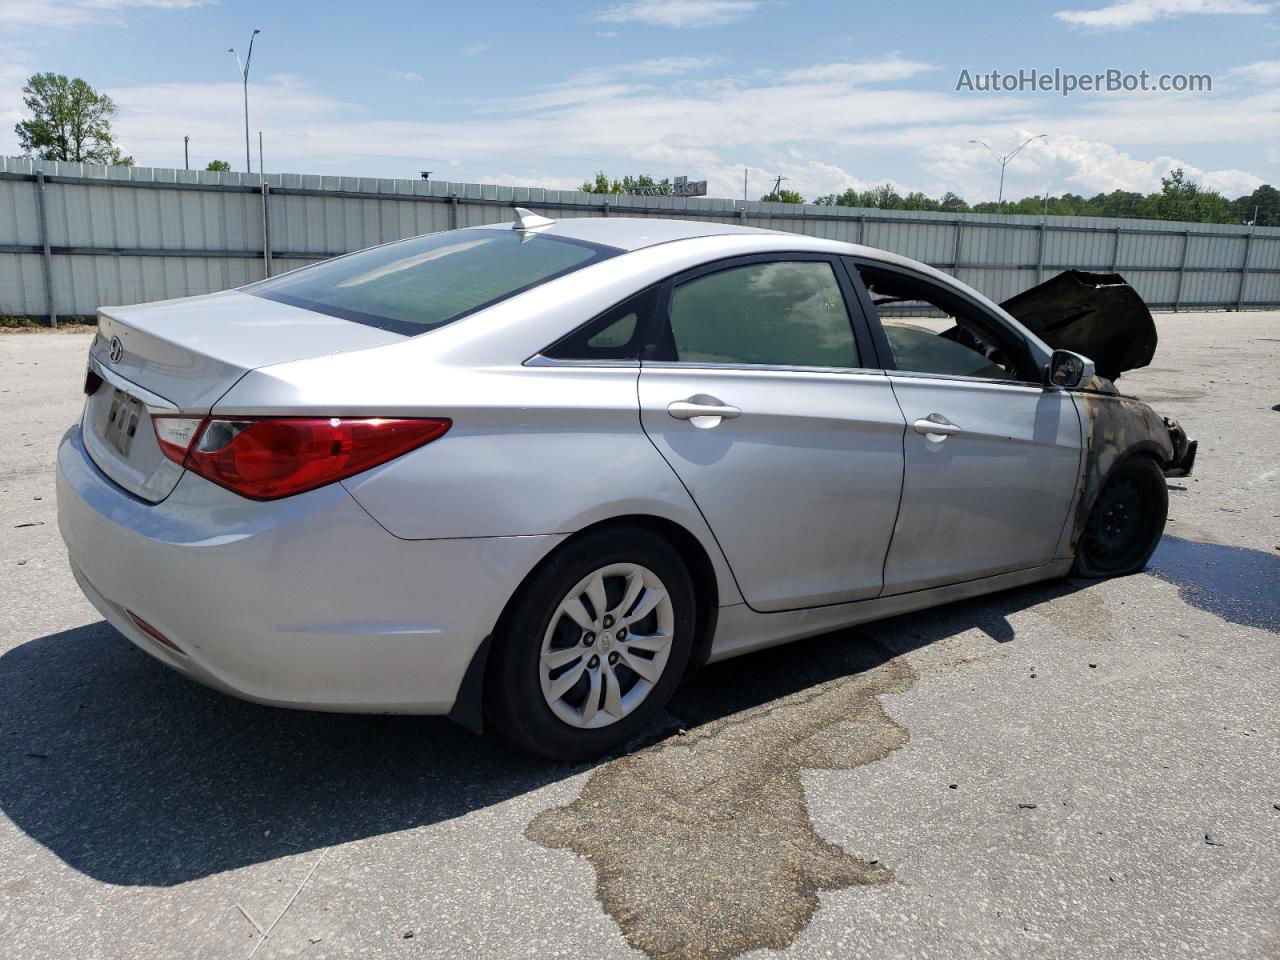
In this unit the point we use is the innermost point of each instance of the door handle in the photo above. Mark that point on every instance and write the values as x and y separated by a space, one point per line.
702 406
935 426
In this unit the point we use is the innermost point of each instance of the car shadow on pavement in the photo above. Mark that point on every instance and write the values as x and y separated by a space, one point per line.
132 774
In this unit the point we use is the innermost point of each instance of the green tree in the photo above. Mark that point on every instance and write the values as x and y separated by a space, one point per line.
69 121
219 166
628 184
1183 199
1261 207
783 196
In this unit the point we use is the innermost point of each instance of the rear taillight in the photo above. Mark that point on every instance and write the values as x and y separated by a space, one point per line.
265 458
174 434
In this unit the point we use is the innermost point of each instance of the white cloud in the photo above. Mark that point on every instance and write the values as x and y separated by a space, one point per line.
1263 72
475 49
821 126
882 69
71 13
1132 13
668 66
1068 163
408 76
679 13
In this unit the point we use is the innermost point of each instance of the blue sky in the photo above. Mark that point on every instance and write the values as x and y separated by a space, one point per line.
827 94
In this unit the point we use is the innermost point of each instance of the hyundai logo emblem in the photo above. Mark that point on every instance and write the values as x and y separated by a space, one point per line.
117 350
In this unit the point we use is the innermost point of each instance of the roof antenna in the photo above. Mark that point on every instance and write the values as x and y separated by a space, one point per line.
528 220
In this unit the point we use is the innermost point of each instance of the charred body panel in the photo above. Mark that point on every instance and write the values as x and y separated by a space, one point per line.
1095 314
1117 428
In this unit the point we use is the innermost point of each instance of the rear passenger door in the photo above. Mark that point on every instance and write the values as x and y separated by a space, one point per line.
760 390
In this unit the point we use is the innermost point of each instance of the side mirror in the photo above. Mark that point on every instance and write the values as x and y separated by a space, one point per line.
1069 370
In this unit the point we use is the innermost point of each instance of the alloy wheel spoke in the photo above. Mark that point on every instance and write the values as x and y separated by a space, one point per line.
591 705
648 642
646 669
595 591
561 684
612 694
650 599
577 612
554 659
635 583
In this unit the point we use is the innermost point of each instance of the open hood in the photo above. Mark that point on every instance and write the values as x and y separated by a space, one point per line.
1095 314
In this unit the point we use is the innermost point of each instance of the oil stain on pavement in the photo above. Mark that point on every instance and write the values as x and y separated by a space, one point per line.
702 844
1235 583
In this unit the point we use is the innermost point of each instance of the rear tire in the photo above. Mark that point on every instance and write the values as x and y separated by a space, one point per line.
593 645
1126 521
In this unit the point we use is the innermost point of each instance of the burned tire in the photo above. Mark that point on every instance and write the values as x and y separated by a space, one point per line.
1125 522
593 646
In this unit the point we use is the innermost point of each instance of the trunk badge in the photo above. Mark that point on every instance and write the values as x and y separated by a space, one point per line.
117 350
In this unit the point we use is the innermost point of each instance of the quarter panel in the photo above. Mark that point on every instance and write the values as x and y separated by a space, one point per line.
533 450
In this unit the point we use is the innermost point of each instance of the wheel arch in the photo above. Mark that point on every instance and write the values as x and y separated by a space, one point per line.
468 708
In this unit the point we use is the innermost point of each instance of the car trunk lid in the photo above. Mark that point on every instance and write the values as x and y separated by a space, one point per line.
179 357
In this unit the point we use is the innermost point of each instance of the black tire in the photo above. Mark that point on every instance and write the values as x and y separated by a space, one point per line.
1125 522
514 700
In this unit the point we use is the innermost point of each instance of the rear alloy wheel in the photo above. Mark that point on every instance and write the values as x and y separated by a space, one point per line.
607 645
594 646
1126 521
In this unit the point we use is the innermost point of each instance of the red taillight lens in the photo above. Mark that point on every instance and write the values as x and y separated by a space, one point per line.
268 458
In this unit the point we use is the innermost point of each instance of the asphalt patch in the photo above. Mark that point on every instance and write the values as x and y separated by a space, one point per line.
702 844
1235 583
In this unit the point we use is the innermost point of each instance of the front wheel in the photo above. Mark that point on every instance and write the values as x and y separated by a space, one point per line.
594 645
1126 521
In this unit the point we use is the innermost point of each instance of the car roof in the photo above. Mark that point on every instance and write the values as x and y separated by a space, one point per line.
634 233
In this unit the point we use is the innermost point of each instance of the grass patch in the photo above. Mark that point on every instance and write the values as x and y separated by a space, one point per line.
10 324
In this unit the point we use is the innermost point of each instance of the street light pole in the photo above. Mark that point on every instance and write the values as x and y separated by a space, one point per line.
244 73
1004 161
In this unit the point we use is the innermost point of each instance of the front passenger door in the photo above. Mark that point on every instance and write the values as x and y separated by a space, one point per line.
992 458
757 392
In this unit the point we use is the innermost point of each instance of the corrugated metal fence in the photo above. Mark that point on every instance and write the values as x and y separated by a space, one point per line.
75 236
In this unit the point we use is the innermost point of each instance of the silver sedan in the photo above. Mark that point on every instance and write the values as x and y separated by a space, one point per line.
528 473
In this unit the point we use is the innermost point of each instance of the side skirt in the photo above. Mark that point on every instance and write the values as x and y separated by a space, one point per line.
741 630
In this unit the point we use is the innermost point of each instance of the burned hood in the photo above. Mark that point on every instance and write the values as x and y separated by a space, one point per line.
1095 314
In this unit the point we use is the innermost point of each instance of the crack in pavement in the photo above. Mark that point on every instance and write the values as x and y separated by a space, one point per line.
702 844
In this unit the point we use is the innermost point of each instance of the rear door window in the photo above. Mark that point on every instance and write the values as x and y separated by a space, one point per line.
421 284
779 313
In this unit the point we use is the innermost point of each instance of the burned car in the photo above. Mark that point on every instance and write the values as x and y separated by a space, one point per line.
527 473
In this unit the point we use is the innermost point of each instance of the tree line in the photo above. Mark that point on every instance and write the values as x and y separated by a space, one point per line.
1179 198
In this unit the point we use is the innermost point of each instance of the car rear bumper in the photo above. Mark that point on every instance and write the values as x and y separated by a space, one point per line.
303 602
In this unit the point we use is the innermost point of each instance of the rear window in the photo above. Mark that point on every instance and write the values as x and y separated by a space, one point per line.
417 285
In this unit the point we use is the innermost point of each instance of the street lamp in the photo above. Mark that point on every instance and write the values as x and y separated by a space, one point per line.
1004 161
244 72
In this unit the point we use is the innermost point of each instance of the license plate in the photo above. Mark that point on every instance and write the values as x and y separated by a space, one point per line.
122 422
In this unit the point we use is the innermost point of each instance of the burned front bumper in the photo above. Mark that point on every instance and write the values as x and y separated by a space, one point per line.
1184 450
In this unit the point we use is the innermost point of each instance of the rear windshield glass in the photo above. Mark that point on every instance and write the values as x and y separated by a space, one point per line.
417 285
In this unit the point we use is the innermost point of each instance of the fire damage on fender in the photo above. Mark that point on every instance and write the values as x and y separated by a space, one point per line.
1102 317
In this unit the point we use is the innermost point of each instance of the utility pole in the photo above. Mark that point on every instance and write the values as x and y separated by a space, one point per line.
186 156
1004 161
777 184
261 169
744 184
244 73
